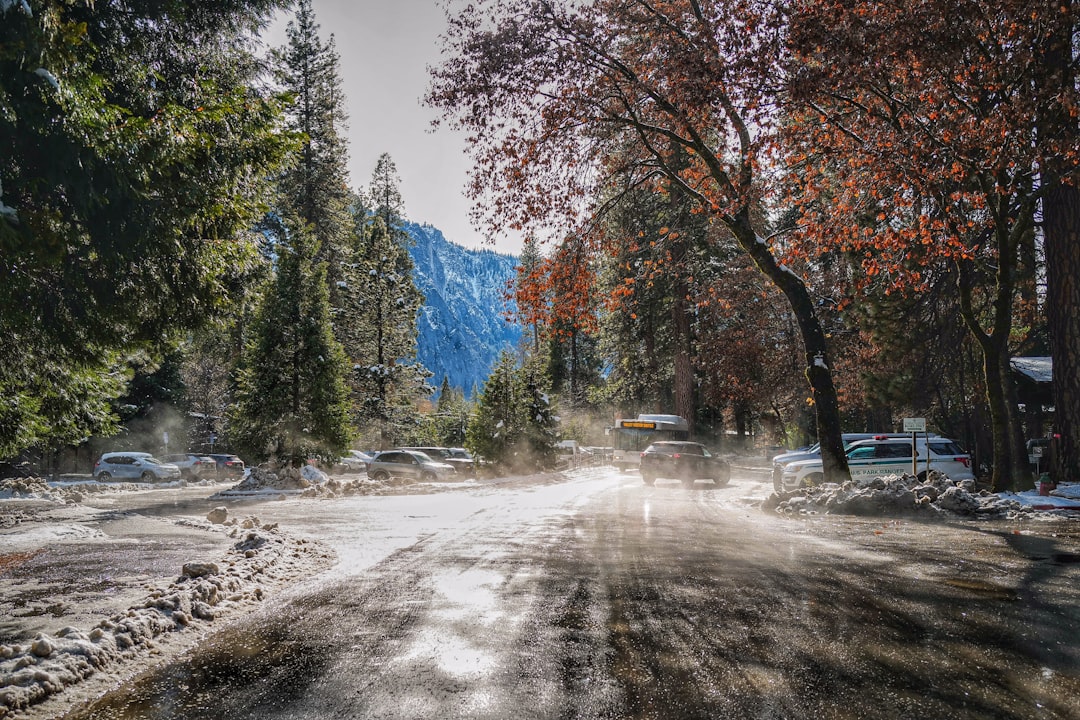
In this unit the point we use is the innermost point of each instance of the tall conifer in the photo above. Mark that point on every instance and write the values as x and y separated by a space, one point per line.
315 188
292 400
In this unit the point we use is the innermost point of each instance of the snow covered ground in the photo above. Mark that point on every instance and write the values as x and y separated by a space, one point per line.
936 496
262 559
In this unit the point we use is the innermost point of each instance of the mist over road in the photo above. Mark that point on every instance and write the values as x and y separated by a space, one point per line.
594 596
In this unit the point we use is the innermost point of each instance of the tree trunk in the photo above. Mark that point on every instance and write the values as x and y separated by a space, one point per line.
818 372
1061 217
683 364
1008 455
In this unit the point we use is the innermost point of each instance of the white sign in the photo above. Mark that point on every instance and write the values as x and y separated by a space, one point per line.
165 437
914 424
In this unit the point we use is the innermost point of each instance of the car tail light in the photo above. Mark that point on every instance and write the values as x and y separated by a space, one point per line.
676 455
965 459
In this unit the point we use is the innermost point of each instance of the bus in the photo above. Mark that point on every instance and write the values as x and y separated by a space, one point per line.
632 435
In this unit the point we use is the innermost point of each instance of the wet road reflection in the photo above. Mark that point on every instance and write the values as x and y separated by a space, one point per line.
602 598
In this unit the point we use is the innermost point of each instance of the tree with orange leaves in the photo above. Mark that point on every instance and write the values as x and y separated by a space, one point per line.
554 296
935 132
562 99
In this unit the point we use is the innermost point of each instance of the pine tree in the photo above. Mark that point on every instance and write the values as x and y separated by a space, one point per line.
386 384
387 201
315 188
541 430
496 424
513 424
135 141
292 400
451 416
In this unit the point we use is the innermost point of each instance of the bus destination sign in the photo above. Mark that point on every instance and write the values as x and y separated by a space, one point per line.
641 424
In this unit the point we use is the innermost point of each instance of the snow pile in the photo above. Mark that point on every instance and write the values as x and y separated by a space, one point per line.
75 491
1069 490
310 482
262 559
903 495
29 488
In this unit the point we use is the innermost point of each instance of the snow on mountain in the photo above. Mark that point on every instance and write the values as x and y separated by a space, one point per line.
462 325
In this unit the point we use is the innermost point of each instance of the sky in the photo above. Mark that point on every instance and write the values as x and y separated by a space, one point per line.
385 47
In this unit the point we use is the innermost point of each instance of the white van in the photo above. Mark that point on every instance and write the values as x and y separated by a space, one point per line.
887 456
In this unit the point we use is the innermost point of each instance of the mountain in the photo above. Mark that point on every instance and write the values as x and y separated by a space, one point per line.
462 328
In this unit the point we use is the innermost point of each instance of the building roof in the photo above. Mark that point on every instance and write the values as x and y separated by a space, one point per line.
1038 369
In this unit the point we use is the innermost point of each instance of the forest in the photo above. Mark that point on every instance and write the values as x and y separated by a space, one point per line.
779 221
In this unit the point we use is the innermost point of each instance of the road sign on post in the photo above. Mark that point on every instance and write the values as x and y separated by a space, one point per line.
914 426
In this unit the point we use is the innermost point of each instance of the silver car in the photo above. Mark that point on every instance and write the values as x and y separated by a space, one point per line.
134 466
409 464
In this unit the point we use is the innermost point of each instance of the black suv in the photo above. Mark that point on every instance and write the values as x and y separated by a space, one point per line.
685 461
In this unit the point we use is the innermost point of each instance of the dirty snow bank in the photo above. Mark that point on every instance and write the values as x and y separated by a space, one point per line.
310 482
262 559
937 495
76 491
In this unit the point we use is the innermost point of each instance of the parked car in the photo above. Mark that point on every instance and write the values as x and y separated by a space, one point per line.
888 455
814 453
408 464
192 466
459 458
352 461
685 461
134 466
228 466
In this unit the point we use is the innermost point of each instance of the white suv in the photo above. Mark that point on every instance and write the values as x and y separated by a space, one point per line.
887 456
135 466
814 452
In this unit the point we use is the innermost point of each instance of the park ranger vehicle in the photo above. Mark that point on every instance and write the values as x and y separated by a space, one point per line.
888 455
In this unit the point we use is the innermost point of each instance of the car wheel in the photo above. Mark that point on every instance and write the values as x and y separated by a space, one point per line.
428 477
648 479
148 477
722 478
380 476
104 477
813 479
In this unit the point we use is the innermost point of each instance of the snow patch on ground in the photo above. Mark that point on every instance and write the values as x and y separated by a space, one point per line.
905 495
310 482
262 560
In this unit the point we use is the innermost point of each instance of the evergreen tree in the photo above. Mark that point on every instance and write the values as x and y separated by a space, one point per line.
135 139
451 416
387 202
513 424
292 400
497 422
541 430
315 187
385 382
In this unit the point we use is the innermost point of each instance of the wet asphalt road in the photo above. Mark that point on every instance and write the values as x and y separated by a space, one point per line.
599 597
